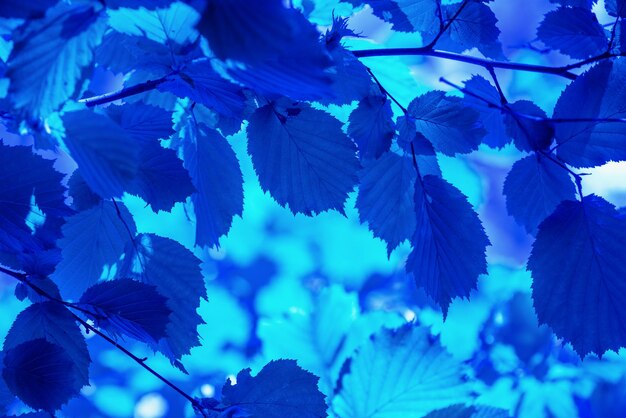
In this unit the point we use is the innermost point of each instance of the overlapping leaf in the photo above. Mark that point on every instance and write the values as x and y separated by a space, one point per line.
371 126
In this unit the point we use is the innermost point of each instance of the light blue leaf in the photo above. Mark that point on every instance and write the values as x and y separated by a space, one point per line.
401 373
217 177
449 243
107 156
534 188
302 157
446 122
49 56
385 200
577 260
92 240
573 31
602 89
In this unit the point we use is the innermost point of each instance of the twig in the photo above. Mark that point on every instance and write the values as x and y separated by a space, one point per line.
125 92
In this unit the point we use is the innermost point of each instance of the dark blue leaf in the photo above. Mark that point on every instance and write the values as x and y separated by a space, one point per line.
534 188
202 84
25 9
573 31
449 243
92 240
409 372
602 90
41 374
446 122
351 81
474 27
385 199
302 157
577 260
414 142
176 274
126 306
492 118
217 177
27 178
529 134
6 397
49 55
371 126
616 7
107 156
83 197
280 390
55 324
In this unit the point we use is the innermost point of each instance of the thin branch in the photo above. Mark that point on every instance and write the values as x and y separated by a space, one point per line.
386 92
563 71
492 72
444 27
125 92
23 278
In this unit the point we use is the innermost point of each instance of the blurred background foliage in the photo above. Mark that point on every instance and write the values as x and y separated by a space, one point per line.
314 289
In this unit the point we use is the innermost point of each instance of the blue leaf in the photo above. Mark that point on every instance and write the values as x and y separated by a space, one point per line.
107 156
6 396
41 374
175 272
446 122
302 157
217 177
577 261
202 84
92 240
125 306
528 134
462 411
534 188
603 91
616 7
325 335
351 81
123 53
405 15
49 56
492 119
474 27
280 48
83 197
414 142
55 324
409 372
280 390
371 127
25 10
587 4
142 121
385 199
449 243
573 31
27 178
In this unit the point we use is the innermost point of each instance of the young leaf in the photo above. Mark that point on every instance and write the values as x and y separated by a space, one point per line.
217 177
41 374
371 127
125 306
602 89
280 390
92 239
449 125
534 188
528 134
107 156
302 157
577 261
573 31
49 55
409 372
385 199
492 119
474 27
616 7
55 324
449 243
175 272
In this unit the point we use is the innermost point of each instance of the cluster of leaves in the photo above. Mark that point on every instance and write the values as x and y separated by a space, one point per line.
193 73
